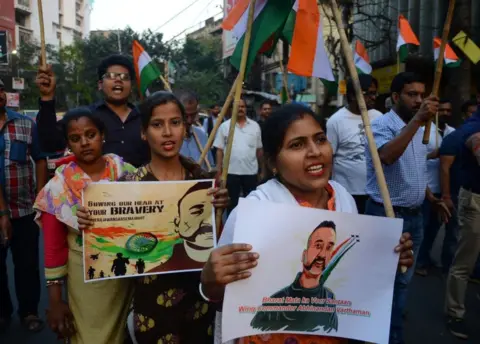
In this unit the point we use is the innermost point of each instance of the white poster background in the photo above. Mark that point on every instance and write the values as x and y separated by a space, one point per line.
228 39
279 233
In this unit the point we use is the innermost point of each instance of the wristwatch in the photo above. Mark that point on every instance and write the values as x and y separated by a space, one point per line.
4 212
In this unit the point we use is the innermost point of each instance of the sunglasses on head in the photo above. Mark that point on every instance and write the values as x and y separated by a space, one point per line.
114 76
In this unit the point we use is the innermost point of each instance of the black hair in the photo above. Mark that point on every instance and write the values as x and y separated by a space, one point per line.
187 97
76 114
212 106
366 81
323 224
157 99
402 79
467 104
327 224
276 125
265 102
445 101
113 60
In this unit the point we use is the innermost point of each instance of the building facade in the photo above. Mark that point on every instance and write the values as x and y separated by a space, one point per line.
64 20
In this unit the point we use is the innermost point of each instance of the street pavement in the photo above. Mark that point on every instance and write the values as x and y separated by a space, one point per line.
425 322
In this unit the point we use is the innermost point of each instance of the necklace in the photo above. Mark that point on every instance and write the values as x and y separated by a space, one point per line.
182 174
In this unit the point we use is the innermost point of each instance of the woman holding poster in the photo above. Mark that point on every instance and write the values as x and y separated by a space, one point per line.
299 160
88 305
168 308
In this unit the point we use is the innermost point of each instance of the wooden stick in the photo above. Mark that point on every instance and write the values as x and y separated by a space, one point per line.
219 122
284 77
199 145
43 51
382 184
165 84
363 109
439 68
238 93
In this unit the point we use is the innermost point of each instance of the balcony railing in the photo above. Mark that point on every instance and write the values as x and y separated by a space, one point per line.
23 6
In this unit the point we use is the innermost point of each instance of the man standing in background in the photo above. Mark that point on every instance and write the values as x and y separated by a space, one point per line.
346 134
265 111
20 181
210 122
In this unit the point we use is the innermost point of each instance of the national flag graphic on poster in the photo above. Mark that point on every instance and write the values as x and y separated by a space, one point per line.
405 36
145 68
362 61
451 59
269 18
467 46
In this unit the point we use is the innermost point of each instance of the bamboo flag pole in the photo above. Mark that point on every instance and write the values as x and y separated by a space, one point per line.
284 77
219 122
199 145
43 51
238 93
165 84
363 108
439 68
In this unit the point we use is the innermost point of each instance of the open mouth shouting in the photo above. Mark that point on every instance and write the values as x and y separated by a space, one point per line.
168 145
117 89
315 170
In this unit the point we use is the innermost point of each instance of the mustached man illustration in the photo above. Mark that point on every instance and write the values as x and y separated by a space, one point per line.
194 227
318 259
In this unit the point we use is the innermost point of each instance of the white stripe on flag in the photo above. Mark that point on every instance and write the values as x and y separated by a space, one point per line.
143 60
241 26
400 41
321 63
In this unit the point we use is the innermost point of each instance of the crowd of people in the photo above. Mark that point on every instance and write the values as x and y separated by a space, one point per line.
289 154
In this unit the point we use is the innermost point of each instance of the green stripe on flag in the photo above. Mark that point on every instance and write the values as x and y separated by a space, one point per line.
149 74
454 64
330 86
269 21
403 53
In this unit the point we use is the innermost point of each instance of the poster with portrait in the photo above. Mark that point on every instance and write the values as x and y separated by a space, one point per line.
145 228
319 273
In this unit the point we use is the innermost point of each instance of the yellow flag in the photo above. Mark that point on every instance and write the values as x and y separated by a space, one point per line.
468 47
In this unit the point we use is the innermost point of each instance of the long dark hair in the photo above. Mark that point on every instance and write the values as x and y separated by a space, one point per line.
157 99
275 128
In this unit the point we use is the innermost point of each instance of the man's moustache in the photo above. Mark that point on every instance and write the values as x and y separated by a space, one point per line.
205 228
318 259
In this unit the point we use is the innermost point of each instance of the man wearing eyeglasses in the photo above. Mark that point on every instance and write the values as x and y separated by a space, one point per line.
346 134
121 118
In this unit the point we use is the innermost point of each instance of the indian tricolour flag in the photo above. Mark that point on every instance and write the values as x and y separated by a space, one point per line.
451 59
405 36
308 56
146 69
362 61
269 17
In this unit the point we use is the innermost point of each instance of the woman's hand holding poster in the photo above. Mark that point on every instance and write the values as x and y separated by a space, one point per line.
147 228
319 272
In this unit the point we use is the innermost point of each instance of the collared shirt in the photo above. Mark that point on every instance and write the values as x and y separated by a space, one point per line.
246 142
206 125
19 145
407 177
190 148
122 138
433 165
452 146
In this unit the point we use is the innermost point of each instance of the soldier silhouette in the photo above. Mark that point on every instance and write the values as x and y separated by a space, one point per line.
140 266
102 275
119 266
91 272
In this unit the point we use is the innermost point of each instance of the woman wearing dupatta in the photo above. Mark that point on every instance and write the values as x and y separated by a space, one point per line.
299 159
95 311
168 308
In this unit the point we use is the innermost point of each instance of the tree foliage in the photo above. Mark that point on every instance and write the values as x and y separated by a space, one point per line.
75 66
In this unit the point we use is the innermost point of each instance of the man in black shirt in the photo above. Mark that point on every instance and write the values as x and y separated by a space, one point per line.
121 118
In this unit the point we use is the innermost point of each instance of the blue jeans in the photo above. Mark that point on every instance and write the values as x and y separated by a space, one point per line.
431 225
413 224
